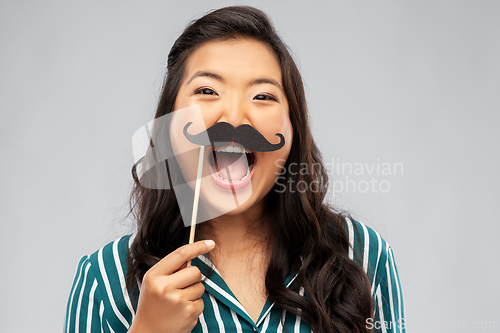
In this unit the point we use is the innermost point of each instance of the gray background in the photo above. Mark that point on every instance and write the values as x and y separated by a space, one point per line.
412 82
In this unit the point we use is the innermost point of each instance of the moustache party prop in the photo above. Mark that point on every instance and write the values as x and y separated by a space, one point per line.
166 160
222 133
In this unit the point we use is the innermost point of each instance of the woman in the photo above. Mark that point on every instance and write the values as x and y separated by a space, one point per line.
282 260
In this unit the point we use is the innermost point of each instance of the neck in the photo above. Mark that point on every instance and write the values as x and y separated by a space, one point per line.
237 235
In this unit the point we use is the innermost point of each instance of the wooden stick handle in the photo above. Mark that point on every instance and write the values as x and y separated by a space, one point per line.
196 198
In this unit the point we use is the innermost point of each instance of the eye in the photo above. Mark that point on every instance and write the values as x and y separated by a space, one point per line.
205 91
264 97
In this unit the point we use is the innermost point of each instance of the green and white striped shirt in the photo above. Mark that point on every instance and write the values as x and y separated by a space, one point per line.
100 302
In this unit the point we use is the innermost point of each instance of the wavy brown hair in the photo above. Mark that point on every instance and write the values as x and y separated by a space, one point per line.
307 235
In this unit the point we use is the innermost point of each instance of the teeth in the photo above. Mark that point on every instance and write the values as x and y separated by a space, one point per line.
232 149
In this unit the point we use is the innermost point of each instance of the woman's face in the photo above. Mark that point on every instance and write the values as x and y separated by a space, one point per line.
237 81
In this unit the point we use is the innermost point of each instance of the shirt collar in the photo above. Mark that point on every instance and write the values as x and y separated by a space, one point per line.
215 285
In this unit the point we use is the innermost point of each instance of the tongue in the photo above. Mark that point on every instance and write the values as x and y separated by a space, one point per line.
232 166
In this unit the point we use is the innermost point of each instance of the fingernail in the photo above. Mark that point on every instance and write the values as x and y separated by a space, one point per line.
210 243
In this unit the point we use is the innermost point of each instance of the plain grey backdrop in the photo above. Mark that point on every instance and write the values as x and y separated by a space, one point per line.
412 86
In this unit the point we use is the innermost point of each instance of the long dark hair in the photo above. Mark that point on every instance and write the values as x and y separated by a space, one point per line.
307 235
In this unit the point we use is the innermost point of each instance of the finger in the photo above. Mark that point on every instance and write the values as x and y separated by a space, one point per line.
194 291
185 277
184 265
199 305
179 257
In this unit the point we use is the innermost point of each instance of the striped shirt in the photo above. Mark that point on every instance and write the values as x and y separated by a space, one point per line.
100 302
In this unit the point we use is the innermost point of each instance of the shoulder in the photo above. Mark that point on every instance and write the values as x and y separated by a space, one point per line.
109 267
99 298
111 256
108 264
368 249
375 255
364 241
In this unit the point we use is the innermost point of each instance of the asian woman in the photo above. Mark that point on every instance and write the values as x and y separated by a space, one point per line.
282 260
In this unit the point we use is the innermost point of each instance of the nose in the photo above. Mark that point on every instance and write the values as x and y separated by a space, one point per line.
235 110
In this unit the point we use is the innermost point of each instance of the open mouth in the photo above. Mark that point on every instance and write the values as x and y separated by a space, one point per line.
231 165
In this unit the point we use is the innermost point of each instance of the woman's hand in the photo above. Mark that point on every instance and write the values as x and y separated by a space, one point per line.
170 299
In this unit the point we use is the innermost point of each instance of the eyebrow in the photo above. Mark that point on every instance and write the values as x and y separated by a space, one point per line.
220 78
205 74
266 80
